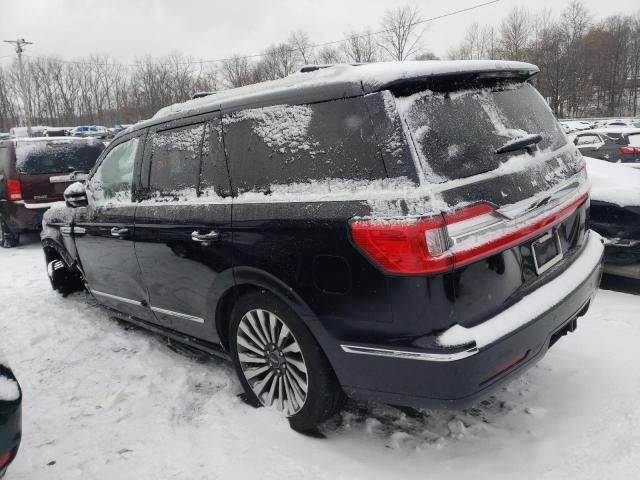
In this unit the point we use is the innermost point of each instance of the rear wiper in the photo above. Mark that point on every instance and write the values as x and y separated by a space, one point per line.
520 143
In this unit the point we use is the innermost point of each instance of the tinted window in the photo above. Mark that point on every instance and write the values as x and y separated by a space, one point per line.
113 179
33 158
456 133
175 161
301 143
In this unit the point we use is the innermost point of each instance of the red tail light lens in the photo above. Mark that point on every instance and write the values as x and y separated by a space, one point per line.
404 245
4 459
14 189
630 150
438 243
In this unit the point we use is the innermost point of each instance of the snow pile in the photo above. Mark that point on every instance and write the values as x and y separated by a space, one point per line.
613 183
9 391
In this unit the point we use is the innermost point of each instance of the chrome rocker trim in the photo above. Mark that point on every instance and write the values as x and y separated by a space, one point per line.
183 316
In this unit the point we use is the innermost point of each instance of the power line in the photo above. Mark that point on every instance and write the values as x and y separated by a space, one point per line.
258 55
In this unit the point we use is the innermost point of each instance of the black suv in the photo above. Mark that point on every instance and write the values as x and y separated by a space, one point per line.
411 233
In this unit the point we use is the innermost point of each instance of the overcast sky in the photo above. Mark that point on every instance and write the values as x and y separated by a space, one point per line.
212 29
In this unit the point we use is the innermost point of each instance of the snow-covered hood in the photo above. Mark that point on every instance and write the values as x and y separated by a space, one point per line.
613 183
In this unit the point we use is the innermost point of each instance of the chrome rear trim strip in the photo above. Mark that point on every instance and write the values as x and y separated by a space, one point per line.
184 316
406 355
117 298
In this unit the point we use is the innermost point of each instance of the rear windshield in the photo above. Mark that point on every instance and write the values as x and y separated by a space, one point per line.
35 158
634 140
456 133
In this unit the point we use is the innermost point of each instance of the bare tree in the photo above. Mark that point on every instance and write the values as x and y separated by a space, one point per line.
300 42
515 32
402 33
236 71
360 47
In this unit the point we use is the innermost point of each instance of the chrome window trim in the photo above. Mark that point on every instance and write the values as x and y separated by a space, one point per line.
171 313
116 297
407 355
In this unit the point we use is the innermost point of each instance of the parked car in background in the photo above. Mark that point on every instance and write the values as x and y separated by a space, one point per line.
313 230
570 126
118 128
10 416
34 173
96 131
613 144
614 123
36 131
56 132
615 214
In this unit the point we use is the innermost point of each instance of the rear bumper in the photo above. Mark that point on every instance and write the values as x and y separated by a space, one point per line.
19 218
455 377
10 424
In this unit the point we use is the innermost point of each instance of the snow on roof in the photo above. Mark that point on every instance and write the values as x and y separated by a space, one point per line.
368 77
614 129
613 182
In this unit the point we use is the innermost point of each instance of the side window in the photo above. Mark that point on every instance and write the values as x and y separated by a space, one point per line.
587 139
113 179
286 144
175 162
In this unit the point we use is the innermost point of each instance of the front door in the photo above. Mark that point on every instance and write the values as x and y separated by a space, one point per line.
104 232
183 226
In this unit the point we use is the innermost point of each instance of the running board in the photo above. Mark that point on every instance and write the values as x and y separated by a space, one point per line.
209 348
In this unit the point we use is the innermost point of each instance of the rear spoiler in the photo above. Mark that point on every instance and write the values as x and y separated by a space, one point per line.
457 78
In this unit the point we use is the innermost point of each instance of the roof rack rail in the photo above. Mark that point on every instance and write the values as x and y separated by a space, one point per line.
201 94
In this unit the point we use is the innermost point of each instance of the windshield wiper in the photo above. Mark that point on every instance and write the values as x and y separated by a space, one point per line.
520 143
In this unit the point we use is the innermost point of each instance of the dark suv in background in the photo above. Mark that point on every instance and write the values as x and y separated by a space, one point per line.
34 173
413 233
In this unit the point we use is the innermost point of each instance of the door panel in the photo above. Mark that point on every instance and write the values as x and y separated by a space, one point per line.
104 233
183 227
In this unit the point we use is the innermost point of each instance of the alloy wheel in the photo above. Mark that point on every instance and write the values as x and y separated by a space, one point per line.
272 362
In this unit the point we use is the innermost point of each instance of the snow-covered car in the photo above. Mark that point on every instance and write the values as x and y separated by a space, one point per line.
615 214
336 232
10 416
613 144
570 126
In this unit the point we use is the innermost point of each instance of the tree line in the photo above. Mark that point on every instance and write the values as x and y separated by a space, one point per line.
588 67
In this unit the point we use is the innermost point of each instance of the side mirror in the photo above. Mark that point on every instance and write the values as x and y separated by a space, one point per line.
75 195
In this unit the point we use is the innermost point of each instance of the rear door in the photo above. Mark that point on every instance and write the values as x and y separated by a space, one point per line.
183 227
47 166
104 231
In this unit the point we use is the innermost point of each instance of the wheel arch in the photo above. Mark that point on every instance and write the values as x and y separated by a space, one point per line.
251 279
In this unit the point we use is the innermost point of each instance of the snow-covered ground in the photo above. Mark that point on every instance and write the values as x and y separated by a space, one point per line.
105 402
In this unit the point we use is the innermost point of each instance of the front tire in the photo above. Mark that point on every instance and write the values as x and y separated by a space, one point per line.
63 279
280 364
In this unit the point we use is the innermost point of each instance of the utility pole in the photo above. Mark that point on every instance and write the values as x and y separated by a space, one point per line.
26 97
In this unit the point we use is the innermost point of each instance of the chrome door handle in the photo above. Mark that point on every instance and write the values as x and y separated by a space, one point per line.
205 238
116 232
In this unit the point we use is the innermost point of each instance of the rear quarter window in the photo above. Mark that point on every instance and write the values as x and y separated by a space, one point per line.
36 158
289 144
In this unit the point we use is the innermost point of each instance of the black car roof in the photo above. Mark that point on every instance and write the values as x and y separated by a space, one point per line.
329 83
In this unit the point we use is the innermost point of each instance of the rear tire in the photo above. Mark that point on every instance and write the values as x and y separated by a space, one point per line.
8 239
282 365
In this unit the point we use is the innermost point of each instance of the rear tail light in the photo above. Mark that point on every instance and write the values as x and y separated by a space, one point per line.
4 459
630 150
14 189
442 242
